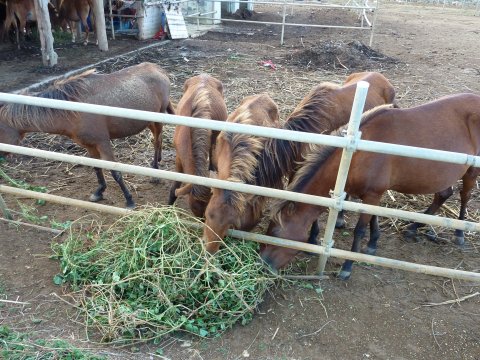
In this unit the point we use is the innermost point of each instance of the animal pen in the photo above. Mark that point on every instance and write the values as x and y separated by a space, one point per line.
351 142
211 11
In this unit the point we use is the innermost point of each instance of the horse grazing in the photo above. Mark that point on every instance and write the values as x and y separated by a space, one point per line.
323 110
202 98
73 11
237 159
451 123
144 86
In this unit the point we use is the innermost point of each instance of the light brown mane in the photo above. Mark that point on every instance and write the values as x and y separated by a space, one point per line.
245 150
315 159
201 140
20 116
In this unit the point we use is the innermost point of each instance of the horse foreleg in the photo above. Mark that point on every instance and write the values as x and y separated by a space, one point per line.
102 185
105 151
340 223
358 235
438 200
176 184
469 181
371 248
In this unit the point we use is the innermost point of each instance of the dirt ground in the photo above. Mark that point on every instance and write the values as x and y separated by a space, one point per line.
377 314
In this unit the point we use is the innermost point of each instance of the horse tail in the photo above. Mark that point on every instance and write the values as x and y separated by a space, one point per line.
201 142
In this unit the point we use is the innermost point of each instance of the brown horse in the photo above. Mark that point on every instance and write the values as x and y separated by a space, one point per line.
451 123
144 86
202 98
237 159
18 12
323 110
73 11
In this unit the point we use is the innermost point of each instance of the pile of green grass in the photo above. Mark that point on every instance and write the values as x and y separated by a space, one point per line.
18 346
148 275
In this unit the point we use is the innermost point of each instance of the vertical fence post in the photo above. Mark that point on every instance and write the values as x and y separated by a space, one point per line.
111 19
373 25
4 209
339 194
283 20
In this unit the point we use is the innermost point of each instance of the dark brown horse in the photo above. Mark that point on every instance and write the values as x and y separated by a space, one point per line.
237 159
323 110
143 87
72 11
202 98
451 123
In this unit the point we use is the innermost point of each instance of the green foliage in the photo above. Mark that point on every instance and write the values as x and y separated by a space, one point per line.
19 346
21 184
149 275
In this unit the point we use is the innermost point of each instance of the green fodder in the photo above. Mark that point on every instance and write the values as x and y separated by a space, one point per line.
19 346
148 275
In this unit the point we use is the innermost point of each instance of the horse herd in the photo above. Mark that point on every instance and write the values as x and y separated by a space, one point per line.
450 123
15 14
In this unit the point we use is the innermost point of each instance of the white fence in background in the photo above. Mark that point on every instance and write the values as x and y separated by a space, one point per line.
350 143
367 13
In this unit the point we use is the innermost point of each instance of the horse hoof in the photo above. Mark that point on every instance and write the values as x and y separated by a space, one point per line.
411 236
340 224
460 241
130 205
369 251
431 236
344 275
96 198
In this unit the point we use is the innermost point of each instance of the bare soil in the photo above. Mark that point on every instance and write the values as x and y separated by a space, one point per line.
378 314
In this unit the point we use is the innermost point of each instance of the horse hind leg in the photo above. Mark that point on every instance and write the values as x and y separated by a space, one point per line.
371 248
438 200
468 182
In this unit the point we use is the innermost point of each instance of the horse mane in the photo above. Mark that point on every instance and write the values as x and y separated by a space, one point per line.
279 157
21 116
315 159
245 150
201 140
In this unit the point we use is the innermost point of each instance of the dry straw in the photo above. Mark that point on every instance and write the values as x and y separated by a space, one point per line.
148 275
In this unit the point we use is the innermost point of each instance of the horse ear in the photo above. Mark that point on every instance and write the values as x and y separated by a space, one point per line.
183 190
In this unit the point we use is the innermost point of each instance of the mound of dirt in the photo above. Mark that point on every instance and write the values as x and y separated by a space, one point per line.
331 55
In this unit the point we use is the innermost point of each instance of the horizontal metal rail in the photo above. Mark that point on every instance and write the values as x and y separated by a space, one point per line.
309 4
342 254
251 189
321 139
280 23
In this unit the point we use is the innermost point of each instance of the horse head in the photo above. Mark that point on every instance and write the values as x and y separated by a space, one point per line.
291 222
9 135
220 216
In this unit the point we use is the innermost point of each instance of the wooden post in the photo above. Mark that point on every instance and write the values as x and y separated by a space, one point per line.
100 29
49 56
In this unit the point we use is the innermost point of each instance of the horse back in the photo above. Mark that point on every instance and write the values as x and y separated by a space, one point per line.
380 91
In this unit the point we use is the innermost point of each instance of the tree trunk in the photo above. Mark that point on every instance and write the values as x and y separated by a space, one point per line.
49 56
100 29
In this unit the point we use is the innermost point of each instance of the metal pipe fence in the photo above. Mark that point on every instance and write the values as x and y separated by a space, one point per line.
363 9
351 143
